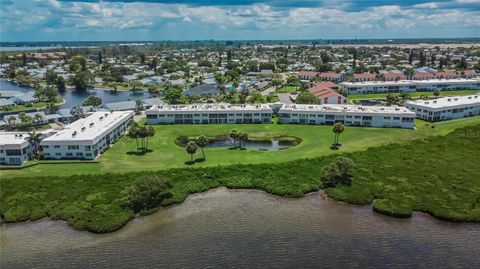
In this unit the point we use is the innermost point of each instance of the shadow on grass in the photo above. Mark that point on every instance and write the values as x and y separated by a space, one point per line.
335 146
140 152
198 160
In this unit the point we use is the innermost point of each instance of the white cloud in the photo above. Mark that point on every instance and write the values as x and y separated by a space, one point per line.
99 18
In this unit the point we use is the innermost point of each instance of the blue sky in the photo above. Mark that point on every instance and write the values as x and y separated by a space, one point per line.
57 20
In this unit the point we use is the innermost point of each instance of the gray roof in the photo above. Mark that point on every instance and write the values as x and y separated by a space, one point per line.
153 101
202 89
7 93
65 112
126 105
26 97
53 116
5 102
31 114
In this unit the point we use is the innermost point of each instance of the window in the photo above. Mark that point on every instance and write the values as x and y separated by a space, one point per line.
72 146
45 147
79 154
57 154
69 154
57 146
88 154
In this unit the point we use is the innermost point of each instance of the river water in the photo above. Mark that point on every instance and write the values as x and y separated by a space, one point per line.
73 97
243 228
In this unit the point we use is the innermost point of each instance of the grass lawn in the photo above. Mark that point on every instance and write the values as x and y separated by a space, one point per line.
316 141
287 89
352 97
437 175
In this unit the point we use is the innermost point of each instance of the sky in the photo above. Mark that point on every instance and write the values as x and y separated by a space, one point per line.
109 20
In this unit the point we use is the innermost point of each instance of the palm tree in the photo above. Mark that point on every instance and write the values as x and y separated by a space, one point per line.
338 128
202 141
34 139
11 121
243 136
234 135
150 133
191 149
134 132
37 118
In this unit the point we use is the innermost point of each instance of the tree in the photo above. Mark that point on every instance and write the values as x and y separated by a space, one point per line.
256 98
146 193
60 83
11 121
306 98
34 139
136 86
391 99
134 132
78 63
77 112
436 92
25 120
173 95
50 77
234 135
338 128
340 171
202 141
149 132
243 137
191 149
37 119
138 105
92 101
81 80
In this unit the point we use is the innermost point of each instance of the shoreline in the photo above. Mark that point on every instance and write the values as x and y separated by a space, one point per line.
325 199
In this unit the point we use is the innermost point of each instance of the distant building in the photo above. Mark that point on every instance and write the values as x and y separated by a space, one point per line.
203 89
14 148
87 138
409 86
446 107
209 114
364 77
367 116
326 94
328 76
120 106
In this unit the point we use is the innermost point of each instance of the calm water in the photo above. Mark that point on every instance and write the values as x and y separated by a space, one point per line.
259 145
76 98
227 228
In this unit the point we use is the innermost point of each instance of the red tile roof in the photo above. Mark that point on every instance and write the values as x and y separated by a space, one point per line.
364 75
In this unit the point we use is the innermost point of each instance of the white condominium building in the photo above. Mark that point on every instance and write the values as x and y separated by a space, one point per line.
369 116
209 114
446 107
410 85
14 148
87 138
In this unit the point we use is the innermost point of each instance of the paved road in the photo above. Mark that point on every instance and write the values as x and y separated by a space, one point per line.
268 91
285 98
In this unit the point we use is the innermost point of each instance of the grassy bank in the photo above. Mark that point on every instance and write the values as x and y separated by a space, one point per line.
316 141
437 175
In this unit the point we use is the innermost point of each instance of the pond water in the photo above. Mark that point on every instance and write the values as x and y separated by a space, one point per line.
273 144
243 229
73 97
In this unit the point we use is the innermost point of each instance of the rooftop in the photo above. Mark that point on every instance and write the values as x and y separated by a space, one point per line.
410 82
13 138
348 108
211 107
90 127
447 101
